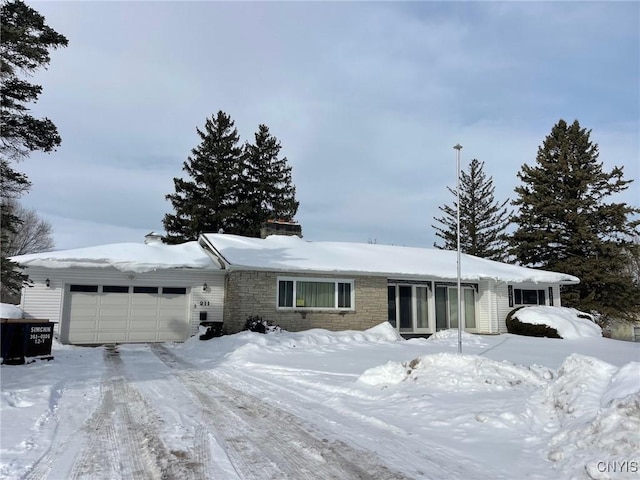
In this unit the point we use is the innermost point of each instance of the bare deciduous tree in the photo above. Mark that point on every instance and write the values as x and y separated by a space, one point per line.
32 236
26 233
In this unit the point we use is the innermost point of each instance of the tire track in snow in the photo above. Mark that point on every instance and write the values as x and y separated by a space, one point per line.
114 448
124 439
60 443
264 442
400 446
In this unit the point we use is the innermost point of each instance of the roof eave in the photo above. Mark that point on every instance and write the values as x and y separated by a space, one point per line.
213 252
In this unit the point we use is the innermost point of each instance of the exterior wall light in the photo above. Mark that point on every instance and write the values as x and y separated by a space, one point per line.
204 287
47 282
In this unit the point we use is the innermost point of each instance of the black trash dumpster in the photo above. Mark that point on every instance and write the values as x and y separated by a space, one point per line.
25 337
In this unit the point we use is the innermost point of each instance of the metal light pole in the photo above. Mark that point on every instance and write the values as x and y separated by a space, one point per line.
458 147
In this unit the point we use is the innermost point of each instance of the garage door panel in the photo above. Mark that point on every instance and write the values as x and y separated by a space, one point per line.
80 337
84 310
114 323
144 299
114 299
143 315
85 298
84 323
111 315
139 324
172 324
84 329
113 312
168 336
111 337
135 336
166 299
171 313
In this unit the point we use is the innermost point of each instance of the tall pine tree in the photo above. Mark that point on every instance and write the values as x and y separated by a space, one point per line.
567 222
266 190
483 220
25 41
207 202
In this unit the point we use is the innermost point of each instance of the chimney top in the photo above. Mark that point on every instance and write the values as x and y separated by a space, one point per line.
280 227
152 237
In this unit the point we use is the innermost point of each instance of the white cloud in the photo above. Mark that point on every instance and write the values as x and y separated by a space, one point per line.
367 100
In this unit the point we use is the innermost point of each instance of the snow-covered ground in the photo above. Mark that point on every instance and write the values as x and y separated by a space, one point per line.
321 404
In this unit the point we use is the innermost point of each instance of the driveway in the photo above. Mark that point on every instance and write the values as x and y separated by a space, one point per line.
230 434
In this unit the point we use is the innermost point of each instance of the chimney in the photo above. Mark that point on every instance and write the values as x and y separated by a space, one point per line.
280 227
152 237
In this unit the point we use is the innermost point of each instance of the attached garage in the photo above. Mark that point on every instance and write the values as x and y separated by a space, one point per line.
124 293
124 313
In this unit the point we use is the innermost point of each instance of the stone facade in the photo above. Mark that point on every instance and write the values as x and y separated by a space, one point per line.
253 293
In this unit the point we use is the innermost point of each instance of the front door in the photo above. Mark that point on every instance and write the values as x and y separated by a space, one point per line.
447 307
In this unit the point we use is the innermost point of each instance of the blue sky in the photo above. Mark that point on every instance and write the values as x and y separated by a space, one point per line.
367 100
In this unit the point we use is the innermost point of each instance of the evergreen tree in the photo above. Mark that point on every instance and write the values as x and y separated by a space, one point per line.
265 189
22 231
208 201
565 223
11 277
25 41
483 220
12 185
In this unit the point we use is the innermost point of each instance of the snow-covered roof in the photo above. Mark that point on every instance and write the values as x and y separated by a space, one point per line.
127 257
291 253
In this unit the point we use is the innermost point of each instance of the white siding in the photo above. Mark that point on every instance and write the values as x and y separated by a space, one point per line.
44 302
41 302
502 292
486 307
556 296
503 308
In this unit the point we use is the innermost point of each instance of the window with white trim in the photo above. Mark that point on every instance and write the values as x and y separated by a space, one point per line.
315 293
529 297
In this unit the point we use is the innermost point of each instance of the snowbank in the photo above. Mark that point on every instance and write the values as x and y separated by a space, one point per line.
448 371
450 338
241 345
565 320
8 310
625 382
315 337
585 417
596 411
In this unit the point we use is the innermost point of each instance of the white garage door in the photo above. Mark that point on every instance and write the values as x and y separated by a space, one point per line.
121 313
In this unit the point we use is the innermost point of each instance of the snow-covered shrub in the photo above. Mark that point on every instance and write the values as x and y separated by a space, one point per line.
257 324
209 330
566 322
517 327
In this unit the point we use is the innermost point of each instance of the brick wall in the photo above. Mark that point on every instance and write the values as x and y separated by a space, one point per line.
250 293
